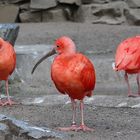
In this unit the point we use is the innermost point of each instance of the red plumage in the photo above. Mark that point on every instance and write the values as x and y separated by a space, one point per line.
7 64
73 74
128 59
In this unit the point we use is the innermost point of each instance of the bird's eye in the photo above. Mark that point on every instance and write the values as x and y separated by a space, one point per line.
57 46
127 50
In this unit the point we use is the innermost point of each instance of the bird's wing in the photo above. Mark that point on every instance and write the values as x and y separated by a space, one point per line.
131 50
127 52
14 64
88 77
132 54
85 71
59 87
12 58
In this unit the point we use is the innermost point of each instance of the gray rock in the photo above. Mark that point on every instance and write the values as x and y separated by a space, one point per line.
4 132
86 1
4 128
108 20
30 16
25 6
42 4
16 1
78 15
2 137
53 15
100 1
9 32
133 3
8 13
133 16
73 13
111 13
22 129
86 13
77 2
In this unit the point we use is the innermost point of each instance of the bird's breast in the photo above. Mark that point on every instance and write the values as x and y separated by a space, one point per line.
7 60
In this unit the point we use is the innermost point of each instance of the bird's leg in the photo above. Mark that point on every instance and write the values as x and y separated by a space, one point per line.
73 127
128 85
1 103
83 126
74 112
138 83
9 101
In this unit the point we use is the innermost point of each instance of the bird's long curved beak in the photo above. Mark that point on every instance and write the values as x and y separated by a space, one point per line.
52 52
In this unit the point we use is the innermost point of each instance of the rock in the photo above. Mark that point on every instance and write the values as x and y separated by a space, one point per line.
110 13
86 13
42 4
22 129
8 13
9 32
30 17
2 137
100 1
24 7
133 16
4 132
78 15
4 128
17 1
108 20
73 13
53 15
86 1
77 2
133 3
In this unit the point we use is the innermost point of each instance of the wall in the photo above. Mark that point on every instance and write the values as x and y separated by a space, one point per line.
93 11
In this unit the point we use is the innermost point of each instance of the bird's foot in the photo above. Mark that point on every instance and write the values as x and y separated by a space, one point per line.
71 128
1 103
9 102
84 128
133 95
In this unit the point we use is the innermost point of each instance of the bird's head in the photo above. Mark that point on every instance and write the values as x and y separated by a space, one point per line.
62 45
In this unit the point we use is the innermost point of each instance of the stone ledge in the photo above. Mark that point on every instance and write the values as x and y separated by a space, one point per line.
96 100
12 127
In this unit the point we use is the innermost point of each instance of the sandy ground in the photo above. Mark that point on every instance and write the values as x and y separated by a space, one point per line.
110 123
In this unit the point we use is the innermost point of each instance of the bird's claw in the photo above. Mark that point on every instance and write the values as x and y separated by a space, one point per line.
71 128
1 103
84 128
133 95
75 128
9 102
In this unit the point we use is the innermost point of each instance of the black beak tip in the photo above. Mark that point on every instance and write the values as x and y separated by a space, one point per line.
32 72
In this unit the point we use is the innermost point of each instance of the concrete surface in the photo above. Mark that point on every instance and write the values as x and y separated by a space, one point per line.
110 123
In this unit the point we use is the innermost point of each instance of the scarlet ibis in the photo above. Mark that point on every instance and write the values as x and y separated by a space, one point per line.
7 66
73 74
128 59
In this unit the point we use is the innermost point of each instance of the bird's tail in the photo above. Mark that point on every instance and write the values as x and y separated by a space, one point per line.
89 93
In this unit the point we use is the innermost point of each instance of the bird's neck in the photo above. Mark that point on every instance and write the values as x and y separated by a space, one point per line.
65 56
